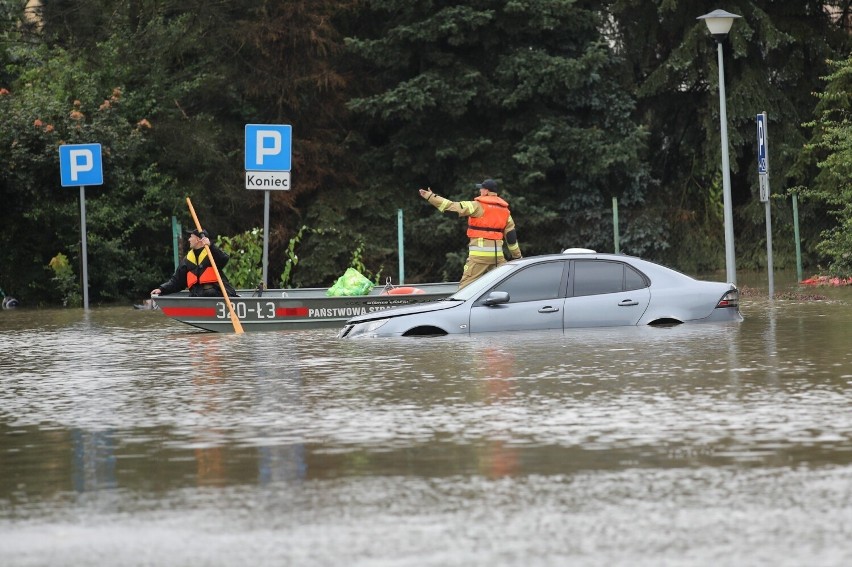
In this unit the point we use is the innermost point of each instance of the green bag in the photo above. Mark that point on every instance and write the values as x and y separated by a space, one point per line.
352 282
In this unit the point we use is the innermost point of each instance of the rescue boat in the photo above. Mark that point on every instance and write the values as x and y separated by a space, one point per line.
302 308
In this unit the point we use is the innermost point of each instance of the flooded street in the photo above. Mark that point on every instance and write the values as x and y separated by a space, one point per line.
129 439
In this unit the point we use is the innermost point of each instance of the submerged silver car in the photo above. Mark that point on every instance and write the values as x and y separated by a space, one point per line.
578 288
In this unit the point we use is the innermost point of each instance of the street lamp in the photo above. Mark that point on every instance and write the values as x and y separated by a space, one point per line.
719 23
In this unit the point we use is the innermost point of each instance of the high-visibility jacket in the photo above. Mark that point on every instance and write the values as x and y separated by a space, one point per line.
199 270
493 221
483 249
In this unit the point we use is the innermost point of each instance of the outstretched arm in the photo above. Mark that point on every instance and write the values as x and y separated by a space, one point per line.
462 208
175 283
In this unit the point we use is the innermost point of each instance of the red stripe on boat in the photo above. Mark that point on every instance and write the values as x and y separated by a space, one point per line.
291 312
189 311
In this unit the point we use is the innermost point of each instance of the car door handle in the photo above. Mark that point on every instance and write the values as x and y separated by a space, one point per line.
628 303
548 309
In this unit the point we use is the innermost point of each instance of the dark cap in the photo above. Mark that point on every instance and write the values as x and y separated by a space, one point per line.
198 233
489 184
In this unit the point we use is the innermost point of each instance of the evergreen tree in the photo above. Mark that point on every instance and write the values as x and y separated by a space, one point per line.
773 58
831 150
523 91
189 75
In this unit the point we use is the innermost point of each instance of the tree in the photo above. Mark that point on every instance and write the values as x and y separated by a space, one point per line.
196 72
59 102
64 88
523 91
773 58
831 150
289 67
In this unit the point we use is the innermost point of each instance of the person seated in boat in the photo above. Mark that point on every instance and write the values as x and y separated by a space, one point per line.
195 271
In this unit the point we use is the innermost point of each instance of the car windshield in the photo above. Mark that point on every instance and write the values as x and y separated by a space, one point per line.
483 283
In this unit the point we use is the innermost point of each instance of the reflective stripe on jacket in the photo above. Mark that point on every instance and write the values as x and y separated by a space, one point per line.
485 248
493 220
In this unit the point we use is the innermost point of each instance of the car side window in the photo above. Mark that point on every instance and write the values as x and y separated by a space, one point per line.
538 282
633 279
593 277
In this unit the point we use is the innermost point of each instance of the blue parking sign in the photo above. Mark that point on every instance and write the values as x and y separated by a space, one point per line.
80 164
762 158
268 147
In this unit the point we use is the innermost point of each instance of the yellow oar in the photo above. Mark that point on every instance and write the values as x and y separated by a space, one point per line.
238 327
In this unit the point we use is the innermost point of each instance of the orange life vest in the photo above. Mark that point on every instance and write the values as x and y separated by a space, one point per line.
492 223
207 275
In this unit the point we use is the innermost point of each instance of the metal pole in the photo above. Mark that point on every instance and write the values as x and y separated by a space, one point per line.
730 264
84 251
765 192
401 246
265 236
176 240
796 236
616 246
769 267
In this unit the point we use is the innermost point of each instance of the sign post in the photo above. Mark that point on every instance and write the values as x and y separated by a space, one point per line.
763 178
81 164
268 157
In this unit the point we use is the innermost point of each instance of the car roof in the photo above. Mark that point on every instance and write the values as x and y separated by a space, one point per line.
571 254
660 270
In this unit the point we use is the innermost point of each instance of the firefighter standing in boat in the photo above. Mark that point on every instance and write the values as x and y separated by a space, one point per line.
195 271
489 223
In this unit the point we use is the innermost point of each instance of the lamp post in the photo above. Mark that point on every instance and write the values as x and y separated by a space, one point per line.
719 23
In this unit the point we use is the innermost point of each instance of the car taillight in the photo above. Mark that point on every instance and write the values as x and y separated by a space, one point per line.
730 299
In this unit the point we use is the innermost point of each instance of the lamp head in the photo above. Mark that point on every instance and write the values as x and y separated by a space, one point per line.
719 23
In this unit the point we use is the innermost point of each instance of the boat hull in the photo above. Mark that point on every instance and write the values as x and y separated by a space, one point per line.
289 309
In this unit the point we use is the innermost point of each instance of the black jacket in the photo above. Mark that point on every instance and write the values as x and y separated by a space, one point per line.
178 280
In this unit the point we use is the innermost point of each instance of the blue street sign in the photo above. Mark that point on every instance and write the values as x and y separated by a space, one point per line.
268 147
80 164
762 164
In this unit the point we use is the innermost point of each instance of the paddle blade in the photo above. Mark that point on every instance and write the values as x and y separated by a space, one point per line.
238 327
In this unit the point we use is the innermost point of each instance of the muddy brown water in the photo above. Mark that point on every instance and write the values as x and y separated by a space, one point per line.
130 439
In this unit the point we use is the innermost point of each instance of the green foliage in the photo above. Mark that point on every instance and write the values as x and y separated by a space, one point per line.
176 130
62 104
772 58
526 92
357 263
245 266
831 147
568 104
292 258
66 282
131 87
357 260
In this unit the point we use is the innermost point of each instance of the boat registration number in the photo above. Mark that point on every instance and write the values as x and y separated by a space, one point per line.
244 309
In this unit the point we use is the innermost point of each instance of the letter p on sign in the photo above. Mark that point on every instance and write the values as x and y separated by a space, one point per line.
268 144
81 164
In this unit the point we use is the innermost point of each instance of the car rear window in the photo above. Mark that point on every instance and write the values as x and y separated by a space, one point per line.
592 277
633 279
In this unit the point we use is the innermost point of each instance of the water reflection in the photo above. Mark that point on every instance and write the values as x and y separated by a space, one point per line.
93 461
127 419
497 382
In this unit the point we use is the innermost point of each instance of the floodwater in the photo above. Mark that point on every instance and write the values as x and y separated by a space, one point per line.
129 439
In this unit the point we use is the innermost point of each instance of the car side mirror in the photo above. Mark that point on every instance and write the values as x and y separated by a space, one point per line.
496 298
